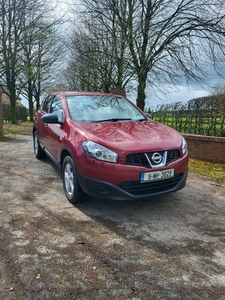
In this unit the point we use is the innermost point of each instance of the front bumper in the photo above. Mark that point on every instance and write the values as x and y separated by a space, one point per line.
131 190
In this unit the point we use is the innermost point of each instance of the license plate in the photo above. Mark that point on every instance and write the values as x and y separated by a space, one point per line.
157 175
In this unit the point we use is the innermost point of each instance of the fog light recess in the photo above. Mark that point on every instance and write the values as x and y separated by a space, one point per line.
101 189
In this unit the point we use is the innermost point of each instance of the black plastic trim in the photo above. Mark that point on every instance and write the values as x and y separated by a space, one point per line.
104 189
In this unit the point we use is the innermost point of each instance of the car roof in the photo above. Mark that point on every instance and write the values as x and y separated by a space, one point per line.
80 93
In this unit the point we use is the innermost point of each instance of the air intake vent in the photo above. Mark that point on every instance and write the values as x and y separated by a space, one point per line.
143 159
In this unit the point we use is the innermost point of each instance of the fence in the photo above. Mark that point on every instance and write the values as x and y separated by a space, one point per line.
203 116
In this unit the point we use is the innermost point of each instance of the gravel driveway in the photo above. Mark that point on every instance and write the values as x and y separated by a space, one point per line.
167 247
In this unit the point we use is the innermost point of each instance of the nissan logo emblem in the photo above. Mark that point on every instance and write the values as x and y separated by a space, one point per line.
157 158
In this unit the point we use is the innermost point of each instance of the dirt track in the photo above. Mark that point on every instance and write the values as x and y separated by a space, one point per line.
168 247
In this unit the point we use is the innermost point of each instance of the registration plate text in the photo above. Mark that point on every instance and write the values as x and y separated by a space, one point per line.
157 175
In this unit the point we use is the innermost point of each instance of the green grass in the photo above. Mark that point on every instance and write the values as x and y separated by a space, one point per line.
22 128
214 171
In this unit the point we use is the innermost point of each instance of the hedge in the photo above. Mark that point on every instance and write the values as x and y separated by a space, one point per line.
21 113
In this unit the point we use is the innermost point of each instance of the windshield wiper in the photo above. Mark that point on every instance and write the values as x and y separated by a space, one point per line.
114 120
140 120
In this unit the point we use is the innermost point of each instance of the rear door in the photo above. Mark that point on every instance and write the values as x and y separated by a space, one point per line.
55 132
40 125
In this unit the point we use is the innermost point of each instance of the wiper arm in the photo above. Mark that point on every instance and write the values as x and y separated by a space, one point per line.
114 120
140 120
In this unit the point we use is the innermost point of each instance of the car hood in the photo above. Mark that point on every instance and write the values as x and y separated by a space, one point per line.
132 136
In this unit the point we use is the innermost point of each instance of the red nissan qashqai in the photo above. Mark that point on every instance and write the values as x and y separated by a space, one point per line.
108 148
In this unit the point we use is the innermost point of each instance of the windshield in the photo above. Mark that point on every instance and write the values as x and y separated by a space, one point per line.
89 108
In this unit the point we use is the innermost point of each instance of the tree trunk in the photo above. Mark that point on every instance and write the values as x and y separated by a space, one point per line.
12 96
38 93
31 111
13 110
37 100
142 78
30 100
1 121
13 113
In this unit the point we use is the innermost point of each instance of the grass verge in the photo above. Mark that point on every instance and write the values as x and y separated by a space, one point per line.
11 130
205 169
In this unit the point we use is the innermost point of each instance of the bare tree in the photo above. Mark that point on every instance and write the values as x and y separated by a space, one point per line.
167 39
83 70
41 52
27 49
99 54
218 88
12 14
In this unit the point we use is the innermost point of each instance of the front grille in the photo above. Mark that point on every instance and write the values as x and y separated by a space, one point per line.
137 159
142 159
172 155
140 189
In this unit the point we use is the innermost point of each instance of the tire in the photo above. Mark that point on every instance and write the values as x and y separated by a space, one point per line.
38 152
71 186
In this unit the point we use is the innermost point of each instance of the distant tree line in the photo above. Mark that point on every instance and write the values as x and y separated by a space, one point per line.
205 116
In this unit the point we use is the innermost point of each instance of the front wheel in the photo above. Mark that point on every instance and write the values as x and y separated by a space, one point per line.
71 185
38 152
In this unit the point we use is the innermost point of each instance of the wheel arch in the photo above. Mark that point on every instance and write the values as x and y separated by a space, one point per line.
65 152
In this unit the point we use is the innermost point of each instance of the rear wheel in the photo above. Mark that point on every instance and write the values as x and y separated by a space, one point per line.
71 185
38 152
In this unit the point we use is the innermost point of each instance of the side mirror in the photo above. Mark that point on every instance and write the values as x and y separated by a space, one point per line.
51 118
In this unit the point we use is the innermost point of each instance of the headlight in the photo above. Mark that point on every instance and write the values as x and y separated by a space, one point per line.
99 152
184 146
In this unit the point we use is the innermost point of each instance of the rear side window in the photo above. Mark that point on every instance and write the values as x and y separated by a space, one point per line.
46 104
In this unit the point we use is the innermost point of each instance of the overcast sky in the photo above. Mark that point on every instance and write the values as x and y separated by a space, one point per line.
183 94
